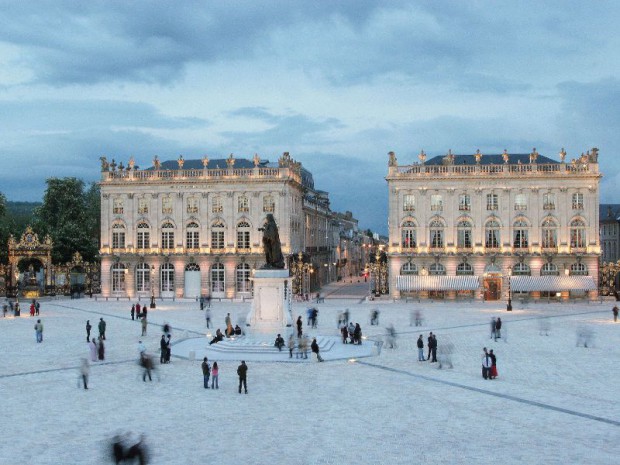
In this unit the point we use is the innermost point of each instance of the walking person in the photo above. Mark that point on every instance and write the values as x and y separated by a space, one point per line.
206 372
498 328
242 371
168 349
138 308
88 328
147 364
315 349
434 349
101 350
37 307
144 323
133 312
429 344
615 312
493 329
92 347
162 349
102 325
420 344
84 372
229 327
208 317
300 323
38 329
291 345
215 371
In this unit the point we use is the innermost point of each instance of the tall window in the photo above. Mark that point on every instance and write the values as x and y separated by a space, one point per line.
491 235
578 269
464 202
243 278
167 236
549 234
192 236
408 203
217 278
436 269
408 235
436 202
464 234
269 204
143 239
548 201
577 201
217 235
166 205
436 234
243 235
217 205
143 206
492 202
549 269
118 277
117 206
243 204
118 236
520 235
192 205
577 234
464 269
167 277
143 277
409 269
520 202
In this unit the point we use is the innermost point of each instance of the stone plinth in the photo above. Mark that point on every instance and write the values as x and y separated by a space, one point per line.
270 311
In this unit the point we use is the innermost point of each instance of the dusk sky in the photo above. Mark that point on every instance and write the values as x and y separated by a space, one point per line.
338 84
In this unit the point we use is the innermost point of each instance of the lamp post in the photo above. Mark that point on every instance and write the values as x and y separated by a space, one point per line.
509 306
153 287
299 270
16 311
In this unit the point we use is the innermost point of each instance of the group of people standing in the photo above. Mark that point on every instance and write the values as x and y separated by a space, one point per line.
489 364
96 347
35 307
351 333
213 373
432 348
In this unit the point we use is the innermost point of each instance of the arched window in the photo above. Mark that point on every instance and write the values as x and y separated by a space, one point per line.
217 235
192 234
217 278
577 234
549 234
491 235
464 234
119 271
167 277
243 204
464 269
521 269
578 269
269 204
243 278
409 269
192 267
143 277
167 236
118 236
549 269
143 239
520 235
436 269
408 235
436 229
243 235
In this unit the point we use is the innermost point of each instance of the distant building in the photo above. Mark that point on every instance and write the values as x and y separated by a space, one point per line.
461 225
609 231
186 228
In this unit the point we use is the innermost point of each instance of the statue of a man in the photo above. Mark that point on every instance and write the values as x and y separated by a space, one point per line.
271 244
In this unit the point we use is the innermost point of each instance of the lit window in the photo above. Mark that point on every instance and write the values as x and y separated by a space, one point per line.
216 205
408 203
464 203
243 204
436 202
492 202
118 207
520 202
577 201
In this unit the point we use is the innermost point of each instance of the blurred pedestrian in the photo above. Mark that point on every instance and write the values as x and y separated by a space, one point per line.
291 345
92 347
101 350
433 349
315 350
374 317
144 325
615 313
208 317
133 312
498 328
493 329
88 328
84 372
38 329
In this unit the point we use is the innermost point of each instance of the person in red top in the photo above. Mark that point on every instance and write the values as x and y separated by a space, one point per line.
32 309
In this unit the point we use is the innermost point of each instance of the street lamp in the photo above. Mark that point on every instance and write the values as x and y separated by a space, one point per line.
300 269
152 287
16 311
509 306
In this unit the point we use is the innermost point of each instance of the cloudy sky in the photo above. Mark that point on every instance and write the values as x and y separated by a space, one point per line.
338 84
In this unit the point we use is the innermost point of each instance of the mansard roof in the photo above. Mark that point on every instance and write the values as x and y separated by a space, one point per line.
523 158
609 212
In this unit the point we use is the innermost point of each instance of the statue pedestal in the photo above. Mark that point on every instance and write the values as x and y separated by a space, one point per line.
270 311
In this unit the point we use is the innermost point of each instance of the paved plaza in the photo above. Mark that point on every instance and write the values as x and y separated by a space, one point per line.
553 402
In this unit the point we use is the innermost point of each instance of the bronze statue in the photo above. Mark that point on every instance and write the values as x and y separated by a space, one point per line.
271 244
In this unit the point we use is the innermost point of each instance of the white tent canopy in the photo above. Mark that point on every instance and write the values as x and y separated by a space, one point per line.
552 283
437 283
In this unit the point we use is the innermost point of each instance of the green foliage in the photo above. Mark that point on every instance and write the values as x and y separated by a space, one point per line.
70 215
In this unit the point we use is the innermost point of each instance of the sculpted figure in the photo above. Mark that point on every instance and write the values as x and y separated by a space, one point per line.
105 166
271 244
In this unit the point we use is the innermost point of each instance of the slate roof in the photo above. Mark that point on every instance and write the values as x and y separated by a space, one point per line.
604 210
524 158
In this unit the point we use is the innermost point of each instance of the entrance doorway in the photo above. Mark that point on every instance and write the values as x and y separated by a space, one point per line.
492 287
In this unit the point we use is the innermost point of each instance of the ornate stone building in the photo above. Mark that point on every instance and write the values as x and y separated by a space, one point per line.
185 228
473 225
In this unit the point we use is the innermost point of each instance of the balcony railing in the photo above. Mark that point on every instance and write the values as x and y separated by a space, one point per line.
506 169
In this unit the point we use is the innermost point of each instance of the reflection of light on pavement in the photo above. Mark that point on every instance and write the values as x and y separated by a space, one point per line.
352 360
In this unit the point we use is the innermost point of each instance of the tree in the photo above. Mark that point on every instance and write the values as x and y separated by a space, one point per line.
5 230
68 216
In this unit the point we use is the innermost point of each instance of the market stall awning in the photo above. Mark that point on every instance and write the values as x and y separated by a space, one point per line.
552 283
437 283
